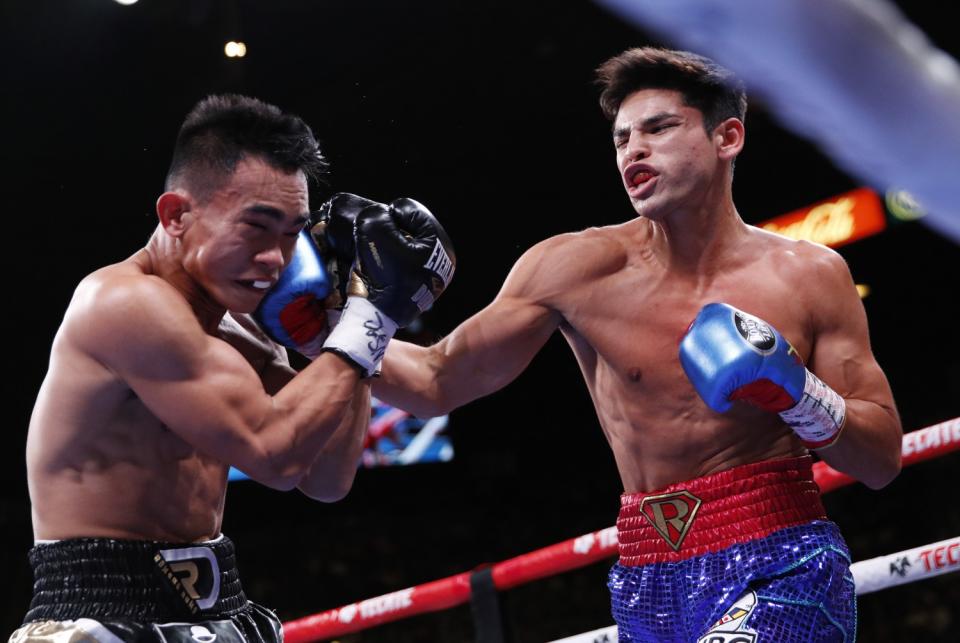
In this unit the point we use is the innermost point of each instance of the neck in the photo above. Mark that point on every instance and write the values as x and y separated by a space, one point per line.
163 258
696 238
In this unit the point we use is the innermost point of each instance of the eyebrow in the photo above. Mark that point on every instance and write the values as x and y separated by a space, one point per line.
276 214
623 130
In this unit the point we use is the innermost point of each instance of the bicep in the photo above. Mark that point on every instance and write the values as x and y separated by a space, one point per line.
211 398
276 374
841 355
482 355
495 345
197 385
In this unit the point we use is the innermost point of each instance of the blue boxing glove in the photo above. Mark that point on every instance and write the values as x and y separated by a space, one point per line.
730 355
292 312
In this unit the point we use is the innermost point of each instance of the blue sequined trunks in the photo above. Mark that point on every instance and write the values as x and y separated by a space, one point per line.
742 556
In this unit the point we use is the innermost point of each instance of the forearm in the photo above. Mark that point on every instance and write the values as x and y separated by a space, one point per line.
482 355
304 416
869 445
331 475
409 380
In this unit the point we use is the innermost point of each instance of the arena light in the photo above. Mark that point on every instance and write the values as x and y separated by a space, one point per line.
126 3
863 290
235 49
834 222
903 206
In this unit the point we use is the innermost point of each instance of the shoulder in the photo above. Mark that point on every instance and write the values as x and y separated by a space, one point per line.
562 266
120 294
575 256
817 277
119 310
559 265
801 261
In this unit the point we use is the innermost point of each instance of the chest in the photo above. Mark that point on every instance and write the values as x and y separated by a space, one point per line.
632 324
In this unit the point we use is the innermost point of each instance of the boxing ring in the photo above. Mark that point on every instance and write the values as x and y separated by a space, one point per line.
480 586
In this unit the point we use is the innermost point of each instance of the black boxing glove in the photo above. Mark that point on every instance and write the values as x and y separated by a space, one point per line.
404 258
404 262
332 230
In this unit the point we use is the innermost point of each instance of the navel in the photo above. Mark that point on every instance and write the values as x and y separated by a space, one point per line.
634 374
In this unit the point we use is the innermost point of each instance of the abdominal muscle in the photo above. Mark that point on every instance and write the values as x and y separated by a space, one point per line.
655 447
100 464
660 431
128 501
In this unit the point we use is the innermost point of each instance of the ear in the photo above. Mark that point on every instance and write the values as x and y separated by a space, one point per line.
729 138
171 208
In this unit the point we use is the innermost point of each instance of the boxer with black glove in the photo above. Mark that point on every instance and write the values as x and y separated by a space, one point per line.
404 261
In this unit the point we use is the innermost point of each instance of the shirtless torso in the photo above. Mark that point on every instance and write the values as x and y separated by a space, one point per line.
154 390
717 505
624 295
100 463
624 322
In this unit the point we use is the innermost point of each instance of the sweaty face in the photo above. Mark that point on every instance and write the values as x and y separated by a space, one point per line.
665 158
236 244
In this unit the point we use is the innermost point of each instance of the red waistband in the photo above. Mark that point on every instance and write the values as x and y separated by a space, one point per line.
711 513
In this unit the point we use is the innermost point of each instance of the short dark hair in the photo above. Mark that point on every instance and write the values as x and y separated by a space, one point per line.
704 84
221 130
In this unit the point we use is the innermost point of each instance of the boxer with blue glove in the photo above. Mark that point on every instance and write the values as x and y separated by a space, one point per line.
160 376
721 532
730 355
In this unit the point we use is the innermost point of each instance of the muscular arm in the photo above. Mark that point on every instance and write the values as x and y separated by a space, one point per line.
869 445
331 475
203 389
485 352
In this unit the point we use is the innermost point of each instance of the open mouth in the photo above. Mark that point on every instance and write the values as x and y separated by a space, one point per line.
640 183
256 285
638 175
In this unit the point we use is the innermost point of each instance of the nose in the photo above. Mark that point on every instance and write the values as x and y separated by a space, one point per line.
636 148
271 258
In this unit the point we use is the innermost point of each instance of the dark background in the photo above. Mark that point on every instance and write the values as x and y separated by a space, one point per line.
486 112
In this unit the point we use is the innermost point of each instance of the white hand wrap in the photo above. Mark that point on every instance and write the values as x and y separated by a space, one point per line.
819 415
361 334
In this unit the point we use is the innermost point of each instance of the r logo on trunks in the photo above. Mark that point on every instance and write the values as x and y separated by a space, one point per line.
671 514
193 573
